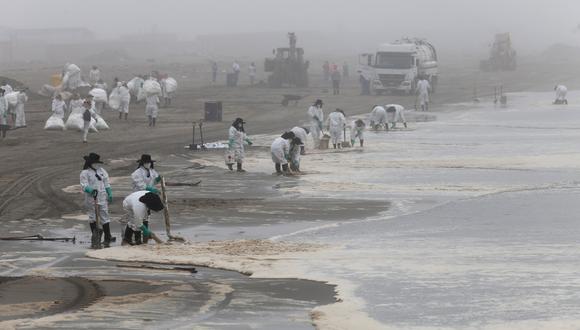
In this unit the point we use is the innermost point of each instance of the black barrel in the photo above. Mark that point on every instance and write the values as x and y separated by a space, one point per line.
213 111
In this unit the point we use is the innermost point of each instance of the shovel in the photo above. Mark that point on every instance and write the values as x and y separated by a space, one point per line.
345 143
98 233
166 214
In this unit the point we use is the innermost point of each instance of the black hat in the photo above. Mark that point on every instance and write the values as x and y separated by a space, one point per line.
92 158
319 101
145 158
297 141
152 201
238 121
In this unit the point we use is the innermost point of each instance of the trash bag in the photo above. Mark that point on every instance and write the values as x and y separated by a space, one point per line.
54 123
135 85
12 98
152 87
101 124
141 95
75 122
115 99
170 85
99 95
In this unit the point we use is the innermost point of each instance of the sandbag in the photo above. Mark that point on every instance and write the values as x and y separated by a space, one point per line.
54 123
152 87
141 95
170 85
134 85
115 99
101 124
99 95
12 98
73 68
75 122
47 90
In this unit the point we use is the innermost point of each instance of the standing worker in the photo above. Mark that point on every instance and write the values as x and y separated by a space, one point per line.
236 69
326 71
145 177
395 114
336 124
365 84
357 131
7 88
335 76
3 114
561 92
280 151
94 75
423 89
345 70
252 73
88 114
316 119
58 106
20 120
152 109
378 117
301 133
236 139
138 206
125 99
98 194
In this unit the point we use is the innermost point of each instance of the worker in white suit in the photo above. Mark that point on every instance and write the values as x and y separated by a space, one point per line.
336 124
423 90
316 117
561 92
395 114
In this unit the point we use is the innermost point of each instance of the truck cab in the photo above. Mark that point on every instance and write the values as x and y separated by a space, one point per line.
396 67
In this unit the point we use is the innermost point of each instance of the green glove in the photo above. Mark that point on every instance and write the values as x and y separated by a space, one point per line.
146 232
158 179
88 190
152 189
249 142
109 194
352 142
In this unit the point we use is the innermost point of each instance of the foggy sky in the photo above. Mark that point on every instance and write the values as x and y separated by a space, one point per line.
454 23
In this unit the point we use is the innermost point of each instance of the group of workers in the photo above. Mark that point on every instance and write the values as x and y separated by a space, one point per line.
287 148
138 205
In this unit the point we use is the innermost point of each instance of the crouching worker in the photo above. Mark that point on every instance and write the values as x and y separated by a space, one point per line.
138 207
357 131
395 114
280 150
295 152
98 194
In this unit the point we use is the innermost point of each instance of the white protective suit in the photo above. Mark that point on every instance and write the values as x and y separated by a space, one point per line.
561 92
3 111
280 151
423 89
152 106
135 211
336 123
87 123
7 89
58 108
125 96
300 133
236 144
20 115
398 116
316 119
89 179
143 179
378 116
94 76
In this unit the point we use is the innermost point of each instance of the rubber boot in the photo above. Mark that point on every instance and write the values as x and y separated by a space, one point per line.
240 169
145 238
231 167
107 232
285 169
138 240
120 115
94 236
128 237
334 145
154 120
393 126
405 124
302 150
150 121
126 115
361 143
278 169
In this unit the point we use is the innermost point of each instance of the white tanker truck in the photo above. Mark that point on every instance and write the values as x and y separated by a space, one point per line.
396 67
